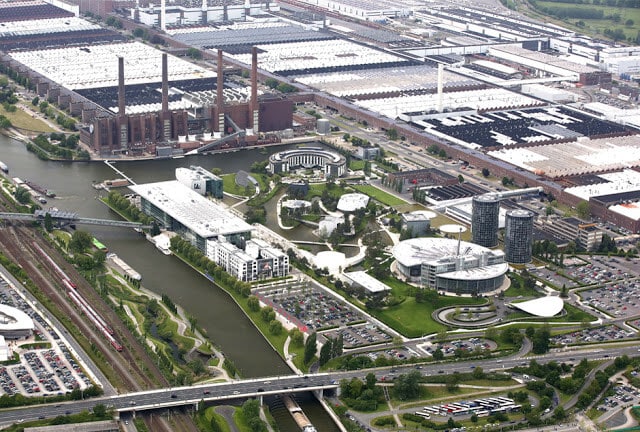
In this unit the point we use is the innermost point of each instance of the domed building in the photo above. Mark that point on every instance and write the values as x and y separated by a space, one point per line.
451 266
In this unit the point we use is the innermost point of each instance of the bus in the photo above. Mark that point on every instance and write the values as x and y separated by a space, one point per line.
423 414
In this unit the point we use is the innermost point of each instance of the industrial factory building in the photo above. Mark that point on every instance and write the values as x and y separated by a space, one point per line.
134 99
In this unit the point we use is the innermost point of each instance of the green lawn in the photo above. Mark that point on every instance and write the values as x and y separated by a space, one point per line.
229 185
379 195
414 319
356 165
23 120
598 26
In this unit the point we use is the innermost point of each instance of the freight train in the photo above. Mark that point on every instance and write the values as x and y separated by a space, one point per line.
80 302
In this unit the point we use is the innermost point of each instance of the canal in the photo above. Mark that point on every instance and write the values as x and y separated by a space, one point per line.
215 311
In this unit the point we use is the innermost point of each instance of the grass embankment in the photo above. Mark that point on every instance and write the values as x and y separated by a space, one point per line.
26 122
379 195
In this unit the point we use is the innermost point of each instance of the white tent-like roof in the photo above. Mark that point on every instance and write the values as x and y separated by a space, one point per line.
545 307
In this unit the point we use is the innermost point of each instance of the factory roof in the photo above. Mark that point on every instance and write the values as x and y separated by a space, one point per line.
614 183
92 66
630 210
544 58
204 217
368 282
13 319
317 56
542 307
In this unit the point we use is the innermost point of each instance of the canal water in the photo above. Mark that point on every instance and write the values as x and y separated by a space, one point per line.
214 310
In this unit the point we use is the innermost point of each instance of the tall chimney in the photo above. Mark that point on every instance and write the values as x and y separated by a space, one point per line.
165 84
163 15
247 8
121 100
219 95
254 88
203 11
440 79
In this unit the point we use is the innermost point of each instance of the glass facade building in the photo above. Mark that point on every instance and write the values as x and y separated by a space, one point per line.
484 220
518 238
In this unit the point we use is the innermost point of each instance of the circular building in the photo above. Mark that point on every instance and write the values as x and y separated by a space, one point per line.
333 164
485 219
349 203
452 266
518 238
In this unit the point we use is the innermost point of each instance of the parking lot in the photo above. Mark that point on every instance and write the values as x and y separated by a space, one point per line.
359 335
553 278
619 300
591 335
46 366
312 308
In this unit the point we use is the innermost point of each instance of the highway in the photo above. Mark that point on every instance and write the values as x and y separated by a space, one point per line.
178 396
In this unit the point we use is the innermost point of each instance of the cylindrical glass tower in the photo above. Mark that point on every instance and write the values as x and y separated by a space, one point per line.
518 238
484 220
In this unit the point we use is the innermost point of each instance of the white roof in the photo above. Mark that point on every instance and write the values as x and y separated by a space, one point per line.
331 260
414 252
92 66
12 319
452 228
352 202
202 216
630 210
368 282
419 215
543 307
293 204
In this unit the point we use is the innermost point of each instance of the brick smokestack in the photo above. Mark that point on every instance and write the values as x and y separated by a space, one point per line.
254 88
121 100
219 84
165 83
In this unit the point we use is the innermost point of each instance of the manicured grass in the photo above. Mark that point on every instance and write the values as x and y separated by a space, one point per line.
229 185
23 120
516 290
356 165
379 195
414 319
599 25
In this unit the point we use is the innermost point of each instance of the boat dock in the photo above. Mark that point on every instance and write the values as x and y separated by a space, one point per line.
120 173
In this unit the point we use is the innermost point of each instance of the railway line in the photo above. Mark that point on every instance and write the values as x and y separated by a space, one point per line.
131 364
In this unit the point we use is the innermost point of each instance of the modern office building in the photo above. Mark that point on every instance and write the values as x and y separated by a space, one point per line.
180 209
484 220
586 235
451 266
200 180
333 164
518 239
258 260
417 222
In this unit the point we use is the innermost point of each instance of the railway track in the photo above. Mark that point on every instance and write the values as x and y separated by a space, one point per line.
133 366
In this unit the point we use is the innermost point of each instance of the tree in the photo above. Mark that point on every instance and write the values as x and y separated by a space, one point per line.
392 134
583 210
253 303
460 178
438 354
485 172
80 241
310 348
48 222
22 195
194 53
325 353
407 386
